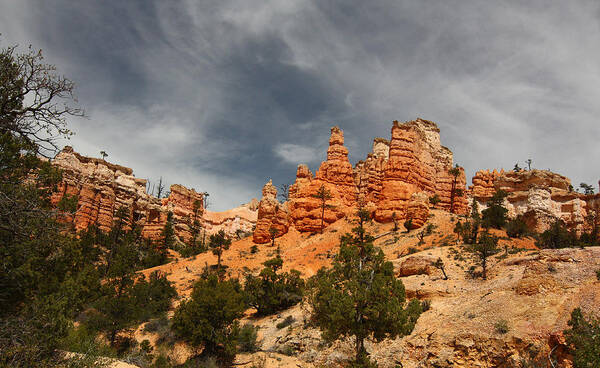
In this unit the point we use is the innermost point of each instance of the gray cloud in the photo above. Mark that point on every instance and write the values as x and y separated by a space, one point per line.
222 95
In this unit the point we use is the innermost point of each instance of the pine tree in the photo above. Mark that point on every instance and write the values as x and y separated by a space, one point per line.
218 243
323 195
360 295
209 317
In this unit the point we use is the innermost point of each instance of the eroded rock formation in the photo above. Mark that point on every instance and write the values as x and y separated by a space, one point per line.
336 176
103 187
418 163
272 216
395 180
540 196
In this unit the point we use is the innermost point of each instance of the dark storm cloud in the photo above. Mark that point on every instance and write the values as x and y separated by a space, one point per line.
222 95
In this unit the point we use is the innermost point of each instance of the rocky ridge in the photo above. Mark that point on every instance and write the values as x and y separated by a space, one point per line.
394 182
102 188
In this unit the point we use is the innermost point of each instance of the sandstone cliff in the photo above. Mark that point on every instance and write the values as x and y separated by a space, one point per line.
540 196
395 181
103 187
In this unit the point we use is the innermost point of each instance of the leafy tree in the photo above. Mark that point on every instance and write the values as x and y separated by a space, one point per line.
469 230
218 243
529 161
584 340
104 155
208 318
360 295
587 189
45 276
486 247
495 215
126 297
270 291
323 195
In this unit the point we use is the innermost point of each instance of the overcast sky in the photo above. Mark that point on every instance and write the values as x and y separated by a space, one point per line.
223 95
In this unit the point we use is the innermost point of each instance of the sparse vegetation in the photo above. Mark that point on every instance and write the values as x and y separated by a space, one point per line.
516 228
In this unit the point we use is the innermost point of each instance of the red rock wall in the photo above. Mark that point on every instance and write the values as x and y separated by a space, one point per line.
103 187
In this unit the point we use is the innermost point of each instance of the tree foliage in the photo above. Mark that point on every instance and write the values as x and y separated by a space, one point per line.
209 318
496 214
323 195
272 291
486 246
360 296
583 336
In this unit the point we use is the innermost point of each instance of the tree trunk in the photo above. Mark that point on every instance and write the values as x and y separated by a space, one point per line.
322 217
360 347
444 272
484 268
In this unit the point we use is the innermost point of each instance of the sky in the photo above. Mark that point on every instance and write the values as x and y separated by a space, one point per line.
222 96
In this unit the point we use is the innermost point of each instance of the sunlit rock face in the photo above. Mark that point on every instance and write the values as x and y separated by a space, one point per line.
103 187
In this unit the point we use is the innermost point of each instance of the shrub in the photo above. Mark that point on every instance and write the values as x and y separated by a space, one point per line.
247 339
557 236
209 317
516 228
495 215
501 327
272 291
583 340
254 249
598 274
286 322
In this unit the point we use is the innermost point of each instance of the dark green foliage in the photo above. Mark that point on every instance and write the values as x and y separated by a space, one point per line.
323 195
495 215
272 291
360 295
598 274
587 189
517 168
408 224
218 243
584 340
167 235
516 228
209 317
454 191
486 247
434 199
469 229
254 249
247 339
286 322
127 298
557 236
